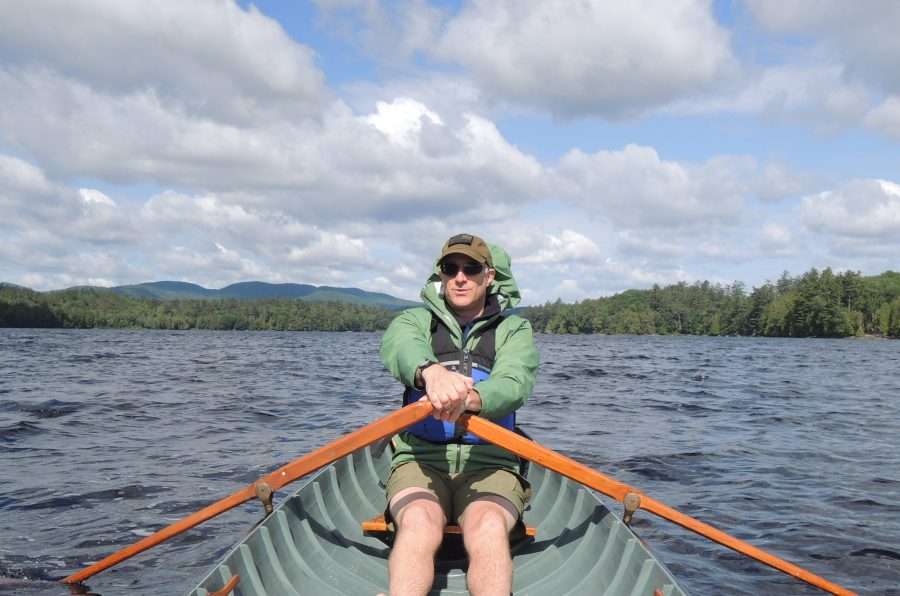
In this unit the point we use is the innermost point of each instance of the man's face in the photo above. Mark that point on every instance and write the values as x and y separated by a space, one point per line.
465 292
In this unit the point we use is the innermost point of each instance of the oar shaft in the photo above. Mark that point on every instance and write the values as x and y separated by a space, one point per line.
381 428
704 529
386 426
617 490
178 527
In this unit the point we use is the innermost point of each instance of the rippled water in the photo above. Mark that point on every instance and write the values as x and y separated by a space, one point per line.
106 436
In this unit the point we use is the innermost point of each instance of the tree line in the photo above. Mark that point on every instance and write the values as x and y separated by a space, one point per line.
90 308
815 304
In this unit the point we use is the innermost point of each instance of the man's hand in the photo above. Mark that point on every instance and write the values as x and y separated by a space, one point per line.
447 391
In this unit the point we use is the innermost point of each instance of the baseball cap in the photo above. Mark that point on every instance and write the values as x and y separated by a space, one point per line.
469 245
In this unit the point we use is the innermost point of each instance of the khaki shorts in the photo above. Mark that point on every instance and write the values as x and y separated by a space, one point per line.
456 491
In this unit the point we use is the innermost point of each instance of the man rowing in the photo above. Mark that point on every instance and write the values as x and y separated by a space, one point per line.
463 352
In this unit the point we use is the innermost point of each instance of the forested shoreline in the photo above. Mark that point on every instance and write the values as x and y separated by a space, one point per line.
93 308
815 304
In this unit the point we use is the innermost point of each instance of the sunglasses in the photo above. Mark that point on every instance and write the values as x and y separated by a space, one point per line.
469 269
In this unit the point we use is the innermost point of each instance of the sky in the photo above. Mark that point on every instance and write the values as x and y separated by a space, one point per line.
605 145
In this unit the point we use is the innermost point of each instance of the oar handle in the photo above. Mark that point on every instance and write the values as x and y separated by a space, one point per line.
383 427
584 475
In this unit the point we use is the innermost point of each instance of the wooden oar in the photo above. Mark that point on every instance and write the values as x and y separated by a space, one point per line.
386 426
617 490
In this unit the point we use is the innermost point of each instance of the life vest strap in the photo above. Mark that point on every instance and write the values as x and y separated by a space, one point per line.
476 363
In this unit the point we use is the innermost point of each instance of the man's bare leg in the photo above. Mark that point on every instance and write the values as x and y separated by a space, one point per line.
485 525
420 525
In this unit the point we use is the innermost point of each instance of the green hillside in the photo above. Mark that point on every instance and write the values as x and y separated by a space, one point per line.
83 308
256 290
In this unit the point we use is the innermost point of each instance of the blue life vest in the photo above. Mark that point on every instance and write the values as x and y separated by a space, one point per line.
476 363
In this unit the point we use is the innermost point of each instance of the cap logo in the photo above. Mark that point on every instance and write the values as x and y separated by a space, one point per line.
461 239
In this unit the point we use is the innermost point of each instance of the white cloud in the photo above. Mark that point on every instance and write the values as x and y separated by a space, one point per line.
449 95
209 57
19 176
590 57
74 129
631 242
819 94
385 285
862 38
885 117
406 273
229 264
569 246
173 211
777 181
776 235
634 187
29 200
612 60
776 239
640 275
392 30
53 263
257 239
568 290
330 250
860 209
341 163
93 196
403 120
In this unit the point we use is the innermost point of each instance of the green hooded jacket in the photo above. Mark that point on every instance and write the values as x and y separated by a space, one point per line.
407 343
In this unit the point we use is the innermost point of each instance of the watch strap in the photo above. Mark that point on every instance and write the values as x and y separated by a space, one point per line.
419 380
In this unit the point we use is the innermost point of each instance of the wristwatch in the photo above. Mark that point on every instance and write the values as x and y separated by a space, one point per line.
418 379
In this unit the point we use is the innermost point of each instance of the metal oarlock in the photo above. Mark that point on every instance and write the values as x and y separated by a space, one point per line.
264 493
632 503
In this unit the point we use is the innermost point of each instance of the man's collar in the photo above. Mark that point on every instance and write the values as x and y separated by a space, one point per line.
491 308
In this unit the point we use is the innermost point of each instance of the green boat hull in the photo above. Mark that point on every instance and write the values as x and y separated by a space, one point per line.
313 543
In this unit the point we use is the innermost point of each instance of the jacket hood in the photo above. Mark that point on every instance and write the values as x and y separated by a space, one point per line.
504 285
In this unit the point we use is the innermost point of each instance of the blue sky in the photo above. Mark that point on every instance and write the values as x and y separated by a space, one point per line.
605 145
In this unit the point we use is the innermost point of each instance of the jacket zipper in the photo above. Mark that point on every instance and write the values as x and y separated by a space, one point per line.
466 369
464 364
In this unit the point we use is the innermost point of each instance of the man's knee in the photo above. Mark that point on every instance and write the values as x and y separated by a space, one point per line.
487 518
421 514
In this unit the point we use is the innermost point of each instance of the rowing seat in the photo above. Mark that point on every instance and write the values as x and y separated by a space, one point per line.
378 525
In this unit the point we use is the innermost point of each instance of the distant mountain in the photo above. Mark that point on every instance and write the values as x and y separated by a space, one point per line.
165 290
258 290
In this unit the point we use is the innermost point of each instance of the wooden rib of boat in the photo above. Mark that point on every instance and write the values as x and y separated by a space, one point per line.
314 544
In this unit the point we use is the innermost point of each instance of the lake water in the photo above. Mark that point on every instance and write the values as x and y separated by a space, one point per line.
106 436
